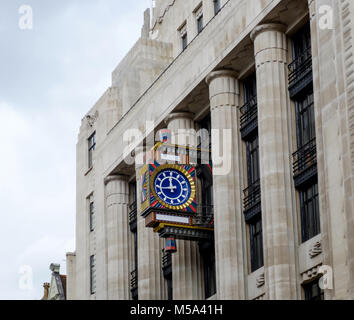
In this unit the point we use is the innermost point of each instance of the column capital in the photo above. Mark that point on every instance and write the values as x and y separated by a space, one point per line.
118 177
179 115
223 88
270 44
279 27
182 128
225 73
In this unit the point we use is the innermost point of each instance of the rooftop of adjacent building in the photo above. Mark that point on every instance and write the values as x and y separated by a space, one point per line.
56 289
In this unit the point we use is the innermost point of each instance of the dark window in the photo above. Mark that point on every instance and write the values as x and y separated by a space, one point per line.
310 215
313 291
205 129
217 6
302 41
250 87
136 250
200 24
133 228
184 41
252 148
207 188
92 275
305 120
92 212
91 148
305 158
210 276
256 243
133 208
207 250
249 111
300 69
206 207
252 195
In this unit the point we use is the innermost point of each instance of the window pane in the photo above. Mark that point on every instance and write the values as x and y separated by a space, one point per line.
91 148
313 291
252 160
92 275
310 218
250 87
200 24
302 41
256 245
92 216
184 42
217 6
305 120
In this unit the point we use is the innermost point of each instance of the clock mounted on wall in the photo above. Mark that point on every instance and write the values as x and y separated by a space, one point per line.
173 187
168 194
168 187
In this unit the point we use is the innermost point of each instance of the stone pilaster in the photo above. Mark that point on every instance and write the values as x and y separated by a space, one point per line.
150 280
333 82
275 161
224 103
117 200
71 276
187 272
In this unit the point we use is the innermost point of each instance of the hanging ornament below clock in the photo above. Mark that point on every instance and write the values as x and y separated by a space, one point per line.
170 245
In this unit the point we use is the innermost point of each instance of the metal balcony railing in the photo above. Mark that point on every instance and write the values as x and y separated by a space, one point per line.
132 216
300 68
252 196
305 158
249 113
205 216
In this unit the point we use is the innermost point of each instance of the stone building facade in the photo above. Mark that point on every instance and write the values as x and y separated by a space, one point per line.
279 76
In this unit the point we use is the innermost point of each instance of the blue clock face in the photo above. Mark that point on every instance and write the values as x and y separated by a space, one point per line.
172 187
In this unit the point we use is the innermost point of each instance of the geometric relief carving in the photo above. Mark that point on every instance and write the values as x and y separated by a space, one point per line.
315 250
260 281
260 298
310 274
91 118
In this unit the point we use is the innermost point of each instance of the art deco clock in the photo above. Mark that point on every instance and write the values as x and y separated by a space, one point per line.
168 187
168 195
173 187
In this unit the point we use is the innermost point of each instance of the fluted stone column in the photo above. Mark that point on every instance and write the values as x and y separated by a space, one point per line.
150 279
275 160
224 103
187 272
117 200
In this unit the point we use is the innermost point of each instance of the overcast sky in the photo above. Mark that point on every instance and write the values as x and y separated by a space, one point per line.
50 77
